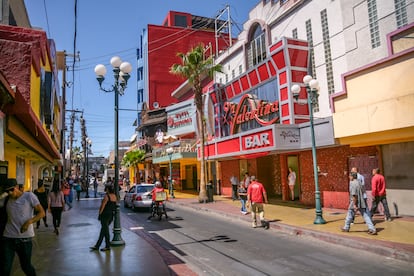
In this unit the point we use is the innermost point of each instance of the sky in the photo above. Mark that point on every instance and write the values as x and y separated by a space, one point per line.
107 28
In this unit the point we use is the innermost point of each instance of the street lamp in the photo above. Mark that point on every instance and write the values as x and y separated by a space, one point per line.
312 87
121 72
88 146
170 151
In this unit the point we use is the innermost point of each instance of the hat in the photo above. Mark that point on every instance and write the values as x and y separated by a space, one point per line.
252 178
10 183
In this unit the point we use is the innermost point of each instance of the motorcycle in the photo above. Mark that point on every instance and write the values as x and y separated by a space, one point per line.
158 206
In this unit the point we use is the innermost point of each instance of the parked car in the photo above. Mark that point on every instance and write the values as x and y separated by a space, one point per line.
139 196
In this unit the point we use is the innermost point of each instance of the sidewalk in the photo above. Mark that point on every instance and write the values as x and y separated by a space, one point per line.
69 253
395 239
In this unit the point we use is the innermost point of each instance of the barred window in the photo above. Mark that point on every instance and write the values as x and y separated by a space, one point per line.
256 50
295 33
401 13
373 23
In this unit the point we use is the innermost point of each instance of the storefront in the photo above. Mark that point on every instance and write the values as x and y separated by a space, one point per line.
178 150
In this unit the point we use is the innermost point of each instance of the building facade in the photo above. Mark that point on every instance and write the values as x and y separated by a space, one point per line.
31 133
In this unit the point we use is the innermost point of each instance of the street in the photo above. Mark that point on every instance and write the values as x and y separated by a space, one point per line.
212 245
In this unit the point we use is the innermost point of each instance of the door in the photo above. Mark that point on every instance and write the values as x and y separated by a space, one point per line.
293 162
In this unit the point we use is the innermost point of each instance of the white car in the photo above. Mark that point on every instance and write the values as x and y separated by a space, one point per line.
139 196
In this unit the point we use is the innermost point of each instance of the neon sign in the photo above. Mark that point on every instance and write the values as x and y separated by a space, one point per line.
248 109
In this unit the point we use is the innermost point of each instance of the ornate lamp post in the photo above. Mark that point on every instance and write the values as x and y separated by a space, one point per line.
121 72
312 87
170 151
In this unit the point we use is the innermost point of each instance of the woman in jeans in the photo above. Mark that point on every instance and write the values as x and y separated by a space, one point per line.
56 205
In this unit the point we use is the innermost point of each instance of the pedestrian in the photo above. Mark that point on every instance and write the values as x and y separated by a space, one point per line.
246 180
379 194
358 204
256 196
41 194
234 184
95 186
106 211
292 182
18 232
66 193
243 197
361 181
78 190
56 205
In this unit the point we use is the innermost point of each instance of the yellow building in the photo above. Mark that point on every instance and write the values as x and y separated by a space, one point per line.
376 109
31 107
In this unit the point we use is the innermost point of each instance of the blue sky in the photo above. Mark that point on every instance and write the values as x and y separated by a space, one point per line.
104 29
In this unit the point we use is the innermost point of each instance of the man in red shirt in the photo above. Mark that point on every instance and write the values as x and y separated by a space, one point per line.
379 194
256 195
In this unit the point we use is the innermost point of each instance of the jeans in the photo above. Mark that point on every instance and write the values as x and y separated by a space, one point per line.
257 208
243 205
56 216
104 233
67 201
23 248
365 214
383 200
234 192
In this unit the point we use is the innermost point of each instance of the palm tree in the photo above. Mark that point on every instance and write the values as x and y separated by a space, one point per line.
133 158
194 66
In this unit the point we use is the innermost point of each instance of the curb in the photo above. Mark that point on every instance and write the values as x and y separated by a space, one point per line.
393 250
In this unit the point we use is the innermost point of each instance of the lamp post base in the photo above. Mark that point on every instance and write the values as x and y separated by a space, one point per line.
117 239
319 219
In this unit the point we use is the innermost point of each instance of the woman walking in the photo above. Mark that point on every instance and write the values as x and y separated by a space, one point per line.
108 205
41 194
56 203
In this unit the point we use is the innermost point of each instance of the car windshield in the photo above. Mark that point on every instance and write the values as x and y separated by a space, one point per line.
144 189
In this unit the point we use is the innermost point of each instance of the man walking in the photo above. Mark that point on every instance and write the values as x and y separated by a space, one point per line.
256 195
361 181
379 194
234 185
357 204
18 233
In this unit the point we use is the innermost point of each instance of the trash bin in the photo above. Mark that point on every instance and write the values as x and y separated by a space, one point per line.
210 192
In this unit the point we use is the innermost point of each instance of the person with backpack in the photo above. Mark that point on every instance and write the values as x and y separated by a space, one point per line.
106 213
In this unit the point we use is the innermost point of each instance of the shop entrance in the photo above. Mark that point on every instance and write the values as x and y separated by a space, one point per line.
293 162
190 177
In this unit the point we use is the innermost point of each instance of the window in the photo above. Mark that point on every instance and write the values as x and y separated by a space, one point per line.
256 49
327 51
295 33
373 23
401 13
233 74
309 37
180 21
240 69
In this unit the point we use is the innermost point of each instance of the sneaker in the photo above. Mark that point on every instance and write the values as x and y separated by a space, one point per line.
388 219
254 225
93 248
345 229
372 232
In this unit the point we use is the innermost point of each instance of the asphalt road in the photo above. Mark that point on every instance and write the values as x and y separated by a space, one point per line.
212 245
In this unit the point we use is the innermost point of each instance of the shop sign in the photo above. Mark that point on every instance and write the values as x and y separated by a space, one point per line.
179 119
249 108
258 140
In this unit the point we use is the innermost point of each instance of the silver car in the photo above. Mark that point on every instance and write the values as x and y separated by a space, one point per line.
139 196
